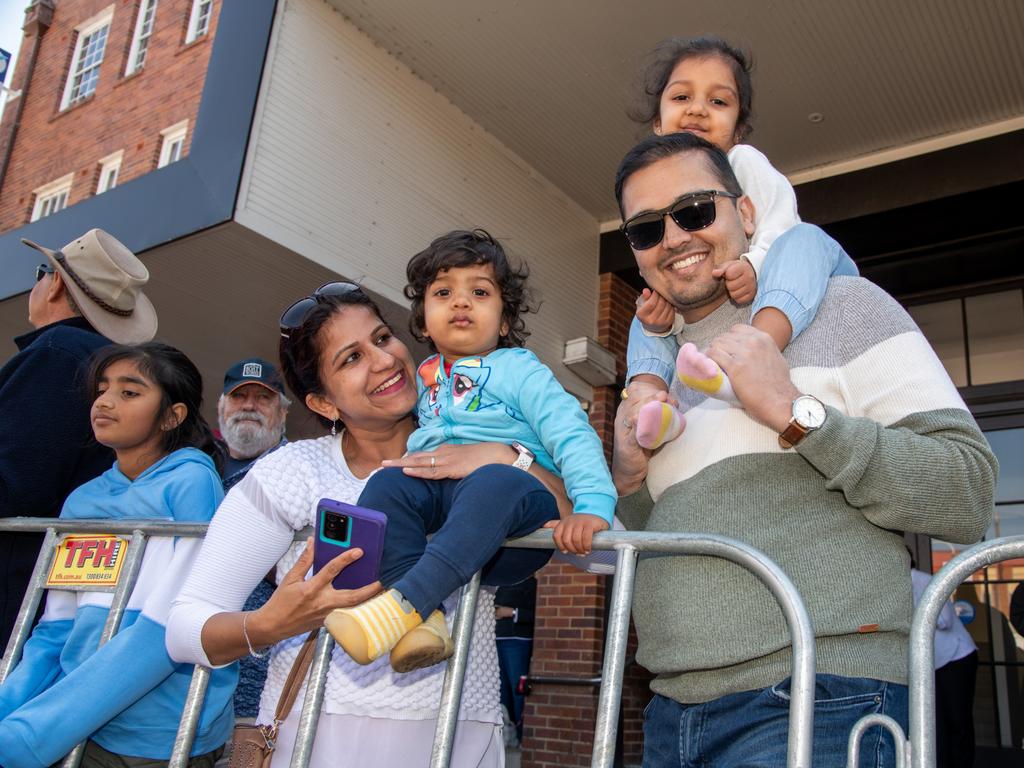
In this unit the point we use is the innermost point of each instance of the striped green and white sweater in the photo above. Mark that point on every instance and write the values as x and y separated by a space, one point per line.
899 452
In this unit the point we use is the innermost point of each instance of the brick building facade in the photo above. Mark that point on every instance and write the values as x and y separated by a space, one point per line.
571 609
55 137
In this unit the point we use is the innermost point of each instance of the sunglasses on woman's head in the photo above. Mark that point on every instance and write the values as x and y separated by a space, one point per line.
296 314
42 270
691 212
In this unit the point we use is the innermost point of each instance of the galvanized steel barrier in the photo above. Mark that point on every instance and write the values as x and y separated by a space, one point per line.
629 547
919 750
138 532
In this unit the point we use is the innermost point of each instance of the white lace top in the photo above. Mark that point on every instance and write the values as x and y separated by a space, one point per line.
252 530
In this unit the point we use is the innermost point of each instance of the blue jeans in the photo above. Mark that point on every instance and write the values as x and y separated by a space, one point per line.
751 728
514 662
470 518
793 279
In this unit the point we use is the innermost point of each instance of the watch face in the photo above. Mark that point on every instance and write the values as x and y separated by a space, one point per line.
808 412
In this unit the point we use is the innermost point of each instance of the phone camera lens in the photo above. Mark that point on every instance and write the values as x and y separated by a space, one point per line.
335 526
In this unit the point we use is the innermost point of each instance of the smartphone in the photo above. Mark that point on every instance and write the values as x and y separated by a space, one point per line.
341 527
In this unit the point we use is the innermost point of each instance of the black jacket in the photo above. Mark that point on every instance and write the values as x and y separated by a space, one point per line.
47 447
522 597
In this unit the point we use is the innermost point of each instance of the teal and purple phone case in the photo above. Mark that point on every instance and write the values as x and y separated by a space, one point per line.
341 527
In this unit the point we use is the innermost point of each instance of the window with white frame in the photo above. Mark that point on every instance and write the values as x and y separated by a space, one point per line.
199 19
140 40
110 169
52 197
173 146
90 45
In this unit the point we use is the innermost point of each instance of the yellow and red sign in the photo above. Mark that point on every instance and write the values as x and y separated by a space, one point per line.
88 559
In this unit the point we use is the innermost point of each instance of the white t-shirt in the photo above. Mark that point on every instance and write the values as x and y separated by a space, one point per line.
773 197
952 640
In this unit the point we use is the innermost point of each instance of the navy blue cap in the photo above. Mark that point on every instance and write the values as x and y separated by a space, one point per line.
255 370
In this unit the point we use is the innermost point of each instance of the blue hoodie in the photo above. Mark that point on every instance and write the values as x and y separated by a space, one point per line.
128 695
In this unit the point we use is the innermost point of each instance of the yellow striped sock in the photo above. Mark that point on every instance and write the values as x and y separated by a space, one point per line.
423 646
657 423
707 386
666 422
371 629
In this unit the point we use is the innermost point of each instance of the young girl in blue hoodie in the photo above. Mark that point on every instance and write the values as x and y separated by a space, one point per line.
125 697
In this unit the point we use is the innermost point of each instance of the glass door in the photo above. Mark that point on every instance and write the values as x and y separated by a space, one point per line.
983 604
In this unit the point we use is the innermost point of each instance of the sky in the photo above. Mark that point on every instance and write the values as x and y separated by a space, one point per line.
12 15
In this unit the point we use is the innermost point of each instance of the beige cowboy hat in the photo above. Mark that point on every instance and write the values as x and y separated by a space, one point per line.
105 279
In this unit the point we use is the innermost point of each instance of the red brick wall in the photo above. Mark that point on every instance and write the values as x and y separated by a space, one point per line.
125 113
568 641
569 636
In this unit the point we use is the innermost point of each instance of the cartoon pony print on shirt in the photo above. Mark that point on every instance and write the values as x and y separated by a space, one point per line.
467 384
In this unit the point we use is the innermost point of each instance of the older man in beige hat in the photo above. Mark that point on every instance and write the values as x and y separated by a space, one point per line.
86 295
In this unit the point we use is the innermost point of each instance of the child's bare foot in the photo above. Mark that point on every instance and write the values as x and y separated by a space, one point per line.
698 371
657 423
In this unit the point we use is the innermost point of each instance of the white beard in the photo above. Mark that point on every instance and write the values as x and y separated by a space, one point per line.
248 435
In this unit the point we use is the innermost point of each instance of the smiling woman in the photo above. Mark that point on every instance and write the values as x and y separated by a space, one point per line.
342 361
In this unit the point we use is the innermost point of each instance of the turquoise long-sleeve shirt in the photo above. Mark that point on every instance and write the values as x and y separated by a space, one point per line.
511 395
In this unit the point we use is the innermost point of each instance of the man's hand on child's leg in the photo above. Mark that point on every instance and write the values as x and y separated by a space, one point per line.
698 371
654 312
575 534
740 280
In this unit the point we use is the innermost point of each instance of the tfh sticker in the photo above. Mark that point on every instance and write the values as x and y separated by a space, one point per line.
88 559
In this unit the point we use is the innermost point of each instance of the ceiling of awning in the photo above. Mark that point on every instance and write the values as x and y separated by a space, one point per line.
551 79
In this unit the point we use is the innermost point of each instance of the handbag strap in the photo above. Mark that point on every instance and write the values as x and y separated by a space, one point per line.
295 677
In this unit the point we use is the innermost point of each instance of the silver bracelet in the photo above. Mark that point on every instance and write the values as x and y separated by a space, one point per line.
252 651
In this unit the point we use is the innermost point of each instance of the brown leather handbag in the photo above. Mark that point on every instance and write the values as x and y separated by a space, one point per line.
252 746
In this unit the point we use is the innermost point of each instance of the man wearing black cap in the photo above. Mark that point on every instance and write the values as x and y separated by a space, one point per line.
86 295
251 413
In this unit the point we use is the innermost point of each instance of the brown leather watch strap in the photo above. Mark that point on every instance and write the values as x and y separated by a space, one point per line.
792 435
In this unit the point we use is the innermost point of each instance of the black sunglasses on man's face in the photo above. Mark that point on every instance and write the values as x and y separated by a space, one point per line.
43 269
691 212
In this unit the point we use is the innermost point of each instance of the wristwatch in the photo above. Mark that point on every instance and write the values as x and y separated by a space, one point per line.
525 458
808 415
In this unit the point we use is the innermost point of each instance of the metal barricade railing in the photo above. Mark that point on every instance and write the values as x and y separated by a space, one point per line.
919 750
138 533
629 546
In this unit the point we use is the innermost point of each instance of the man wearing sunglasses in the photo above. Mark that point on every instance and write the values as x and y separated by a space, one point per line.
852 436
86 295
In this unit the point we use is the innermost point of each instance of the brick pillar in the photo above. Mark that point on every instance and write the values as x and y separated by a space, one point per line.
569 636
568 639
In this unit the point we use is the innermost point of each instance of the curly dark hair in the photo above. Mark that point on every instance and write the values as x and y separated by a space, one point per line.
179 381
654 74
462 248
300 350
